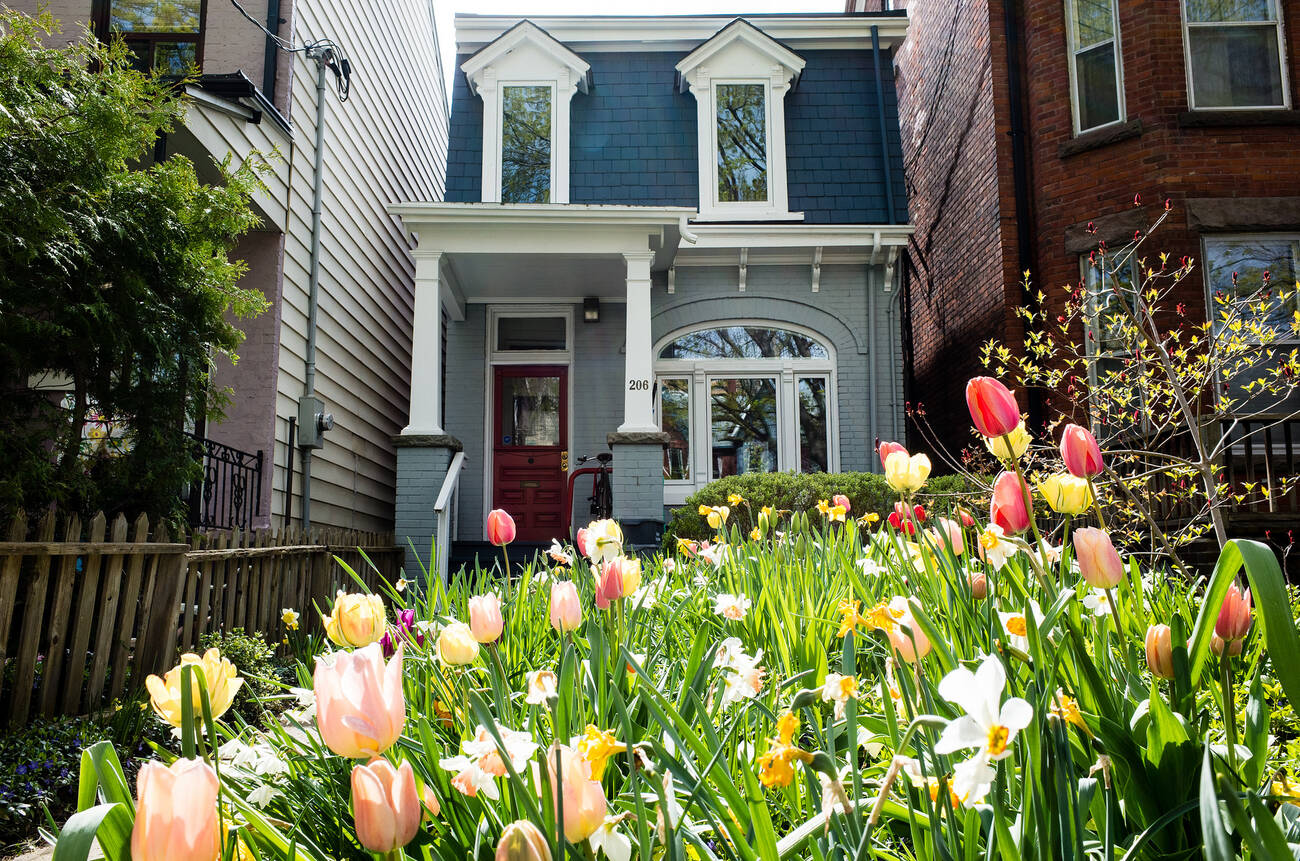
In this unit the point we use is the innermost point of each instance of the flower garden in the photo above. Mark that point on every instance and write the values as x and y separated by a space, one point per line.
943 683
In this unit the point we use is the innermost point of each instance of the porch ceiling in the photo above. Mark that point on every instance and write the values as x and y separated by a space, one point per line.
538 277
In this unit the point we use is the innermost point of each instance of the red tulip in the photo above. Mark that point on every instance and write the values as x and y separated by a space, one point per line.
902 523
1008 508
887 448
500 527
1080 452
992 407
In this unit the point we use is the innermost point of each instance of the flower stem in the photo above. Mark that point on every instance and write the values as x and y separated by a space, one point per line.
1229 707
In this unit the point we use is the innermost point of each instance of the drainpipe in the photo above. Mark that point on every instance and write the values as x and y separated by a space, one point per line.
269 67
891 278
886 168
313 284
873 367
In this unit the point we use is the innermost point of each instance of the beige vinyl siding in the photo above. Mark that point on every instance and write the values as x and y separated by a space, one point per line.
217 132
387 143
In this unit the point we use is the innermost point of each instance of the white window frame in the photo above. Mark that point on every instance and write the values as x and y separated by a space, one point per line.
499 155
1073 51
746 208
1284 338
690 424
1281 60
786 372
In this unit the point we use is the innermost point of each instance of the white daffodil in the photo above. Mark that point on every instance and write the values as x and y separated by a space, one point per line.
871 566
262 795
1016 626
733 607
669 566
608 839
1098 602
541 687
471 779
972 780
989 724
716 554
558 553
995 547
519 746
833 793
744 676
839 689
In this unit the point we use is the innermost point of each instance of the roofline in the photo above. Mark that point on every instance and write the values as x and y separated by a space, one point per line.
535 213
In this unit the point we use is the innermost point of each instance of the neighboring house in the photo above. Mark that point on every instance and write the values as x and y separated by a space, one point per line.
386 143
672 237
1024 122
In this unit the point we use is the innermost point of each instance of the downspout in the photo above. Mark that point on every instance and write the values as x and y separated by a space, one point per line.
269 67
873 368
313 284
891 278
1020 178
886 169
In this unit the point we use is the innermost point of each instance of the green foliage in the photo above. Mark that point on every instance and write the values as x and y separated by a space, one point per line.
115 282
788 491
256 661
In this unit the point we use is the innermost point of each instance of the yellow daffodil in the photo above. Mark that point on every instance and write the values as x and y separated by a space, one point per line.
715 515
289 618
850 618
833 513
596 746
776 765
734 499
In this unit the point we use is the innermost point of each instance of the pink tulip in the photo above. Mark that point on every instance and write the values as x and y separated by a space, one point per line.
386 805
176 813
500 527
885 449
1233 623
842 501
1098 559
1008 507
1080 452
949 534
1160 651
583 798
485 617
566 609
360 707
523 841
907 638
609 583
993 408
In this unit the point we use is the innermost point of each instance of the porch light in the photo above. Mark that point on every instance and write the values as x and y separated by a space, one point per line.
591 310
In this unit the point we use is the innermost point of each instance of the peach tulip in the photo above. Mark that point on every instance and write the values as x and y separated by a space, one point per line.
357 619
885 449
979 585
566 609
360 707
485 617
176 813
617 578
949 534
523 841
582 796
993 408
1008 507
500 527
1099 561
1160 651
386 805
1233 623
907 638
842 501
1080 452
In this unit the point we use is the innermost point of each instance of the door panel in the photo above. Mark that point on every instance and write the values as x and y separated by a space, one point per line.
530 408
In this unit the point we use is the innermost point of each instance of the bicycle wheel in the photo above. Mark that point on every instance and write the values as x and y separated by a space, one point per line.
604 502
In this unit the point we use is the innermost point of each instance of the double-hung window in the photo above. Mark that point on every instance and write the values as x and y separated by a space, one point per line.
1234 54
526 123
742 142
1096 70
164 35
1253 277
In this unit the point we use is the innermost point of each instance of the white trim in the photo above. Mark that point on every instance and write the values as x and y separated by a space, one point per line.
1072 54
741 30
801 235
1281 59
499 309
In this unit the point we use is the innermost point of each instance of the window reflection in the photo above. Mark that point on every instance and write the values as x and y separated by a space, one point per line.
1260 263
742 143
743 418
531 411
526 145
813 416
744 342
675 420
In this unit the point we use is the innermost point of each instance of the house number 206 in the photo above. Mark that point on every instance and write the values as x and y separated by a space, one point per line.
638 385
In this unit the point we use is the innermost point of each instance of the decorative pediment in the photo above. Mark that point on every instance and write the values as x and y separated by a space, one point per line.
526 52
739 49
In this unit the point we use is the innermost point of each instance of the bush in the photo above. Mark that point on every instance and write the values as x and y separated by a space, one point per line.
256 661
788 491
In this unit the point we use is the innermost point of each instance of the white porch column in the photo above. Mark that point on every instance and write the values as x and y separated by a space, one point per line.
638 363
426 347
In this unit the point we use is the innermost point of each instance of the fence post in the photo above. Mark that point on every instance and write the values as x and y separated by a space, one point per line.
158 643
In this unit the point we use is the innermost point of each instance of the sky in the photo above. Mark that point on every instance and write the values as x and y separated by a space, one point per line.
445 11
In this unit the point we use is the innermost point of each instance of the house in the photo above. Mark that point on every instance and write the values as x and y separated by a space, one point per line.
672 238
1030 128
385 143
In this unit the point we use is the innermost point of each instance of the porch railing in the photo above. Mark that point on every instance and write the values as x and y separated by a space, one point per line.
444 509
229 493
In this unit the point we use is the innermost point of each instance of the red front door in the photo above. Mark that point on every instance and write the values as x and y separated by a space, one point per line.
531 425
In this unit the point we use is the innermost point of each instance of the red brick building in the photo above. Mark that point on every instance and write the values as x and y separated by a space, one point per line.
1024 121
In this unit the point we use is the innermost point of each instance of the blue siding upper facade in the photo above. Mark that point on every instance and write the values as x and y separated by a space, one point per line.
633 137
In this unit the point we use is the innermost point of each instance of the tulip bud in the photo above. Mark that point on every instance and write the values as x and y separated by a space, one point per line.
1008 506
993 408
1160 651
500 527
1234 619
907 638
485 617
1080 452
979 585
457 645
887 448
1098 559
360 704
1232 647
523 841
906 474
385 804
949 534
176 813
566 609
842 501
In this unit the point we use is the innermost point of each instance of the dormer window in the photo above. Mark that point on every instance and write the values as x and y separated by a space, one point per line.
739 79
526 80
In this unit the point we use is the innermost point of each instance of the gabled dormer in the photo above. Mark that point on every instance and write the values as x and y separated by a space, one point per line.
739 78
526 80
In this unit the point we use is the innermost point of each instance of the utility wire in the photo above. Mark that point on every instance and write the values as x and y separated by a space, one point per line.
325 51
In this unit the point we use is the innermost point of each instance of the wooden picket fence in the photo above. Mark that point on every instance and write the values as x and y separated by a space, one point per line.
88 610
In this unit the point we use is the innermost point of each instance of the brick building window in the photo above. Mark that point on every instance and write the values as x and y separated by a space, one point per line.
166 35
1096 70
1234 54
1265 265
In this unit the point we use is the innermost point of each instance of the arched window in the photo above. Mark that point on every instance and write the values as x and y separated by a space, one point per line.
746 396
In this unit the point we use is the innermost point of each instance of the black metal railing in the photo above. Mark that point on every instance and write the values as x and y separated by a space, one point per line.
229 494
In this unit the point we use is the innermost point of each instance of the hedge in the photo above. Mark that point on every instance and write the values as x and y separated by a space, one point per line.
787 491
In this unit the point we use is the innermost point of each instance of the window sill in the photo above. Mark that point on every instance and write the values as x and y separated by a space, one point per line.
1102 137
740 216
1247 117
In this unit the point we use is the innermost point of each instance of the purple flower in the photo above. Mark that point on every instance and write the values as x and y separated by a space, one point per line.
405 628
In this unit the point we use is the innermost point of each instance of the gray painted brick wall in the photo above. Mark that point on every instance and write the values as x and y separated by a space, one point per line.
638 482
420 473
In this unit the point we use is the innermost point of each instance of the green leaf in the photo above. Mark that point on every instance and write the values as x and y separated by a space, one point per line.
1213 832
109 823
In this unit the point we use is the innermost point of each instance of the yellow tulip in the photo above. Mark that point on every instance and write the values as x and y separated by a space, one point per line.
357 620
1066 494
907 474
219 677
457 645
1019 438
